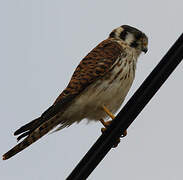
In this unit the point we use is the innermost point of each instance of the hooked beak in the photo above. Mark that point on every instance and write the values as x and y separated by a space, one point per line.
144 50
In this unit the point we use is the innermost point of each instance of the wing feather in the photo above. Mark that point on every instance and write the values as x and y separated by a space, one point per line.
95 65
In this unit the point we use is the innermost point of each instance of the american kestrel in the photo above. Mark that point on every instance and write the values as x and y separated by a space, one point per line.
97 87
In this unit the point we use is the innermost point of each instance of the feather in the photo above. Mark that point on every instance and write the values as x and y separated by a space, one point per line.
34 136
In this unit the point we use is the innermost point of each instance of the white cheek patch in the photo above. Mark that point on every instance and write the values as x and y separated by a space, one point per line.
129 38
118 31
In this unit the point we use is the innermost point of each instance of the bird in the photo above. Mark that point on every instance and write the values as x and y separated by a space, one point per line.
96 89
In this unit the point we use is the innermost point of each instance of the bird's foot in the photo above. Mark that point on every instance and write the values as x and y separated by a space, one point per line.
106 125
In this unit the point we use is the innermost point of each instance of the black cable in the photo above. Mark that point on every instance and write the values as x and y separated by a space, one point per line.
130 111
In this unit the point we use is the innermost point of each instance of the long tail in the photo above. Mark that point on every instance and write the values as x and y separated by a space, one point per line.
33 134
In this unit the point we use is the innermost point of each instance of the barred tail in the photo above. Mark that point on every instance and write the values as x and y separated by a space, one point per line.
31 138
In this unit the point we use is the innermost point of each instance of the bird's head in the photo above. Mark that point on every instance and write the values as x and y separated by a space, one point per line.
132 36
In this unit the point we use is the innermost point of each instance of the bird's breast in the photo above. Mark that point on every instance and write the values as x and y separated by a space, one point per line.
109 90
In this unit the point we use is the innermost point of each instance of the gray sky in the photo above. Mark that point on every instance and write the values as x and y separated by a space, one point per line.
42 41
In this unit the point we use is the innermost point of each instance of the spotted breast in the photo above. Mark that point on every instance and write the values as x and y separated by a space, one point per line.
109 90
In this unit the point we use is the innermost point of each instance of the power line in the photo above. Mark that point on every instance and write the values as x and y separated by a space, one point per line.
129 112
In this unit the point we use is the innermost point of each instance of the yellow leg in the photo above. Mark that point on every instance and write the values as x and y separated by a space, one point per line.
107 123
108 112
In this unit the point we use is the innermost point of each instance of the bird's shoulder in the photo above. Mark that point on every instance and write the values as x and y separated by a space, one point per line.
93 66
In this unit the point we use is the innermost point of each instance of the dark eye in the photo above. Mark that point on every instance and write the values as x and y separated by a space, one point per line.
134 44
138 36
